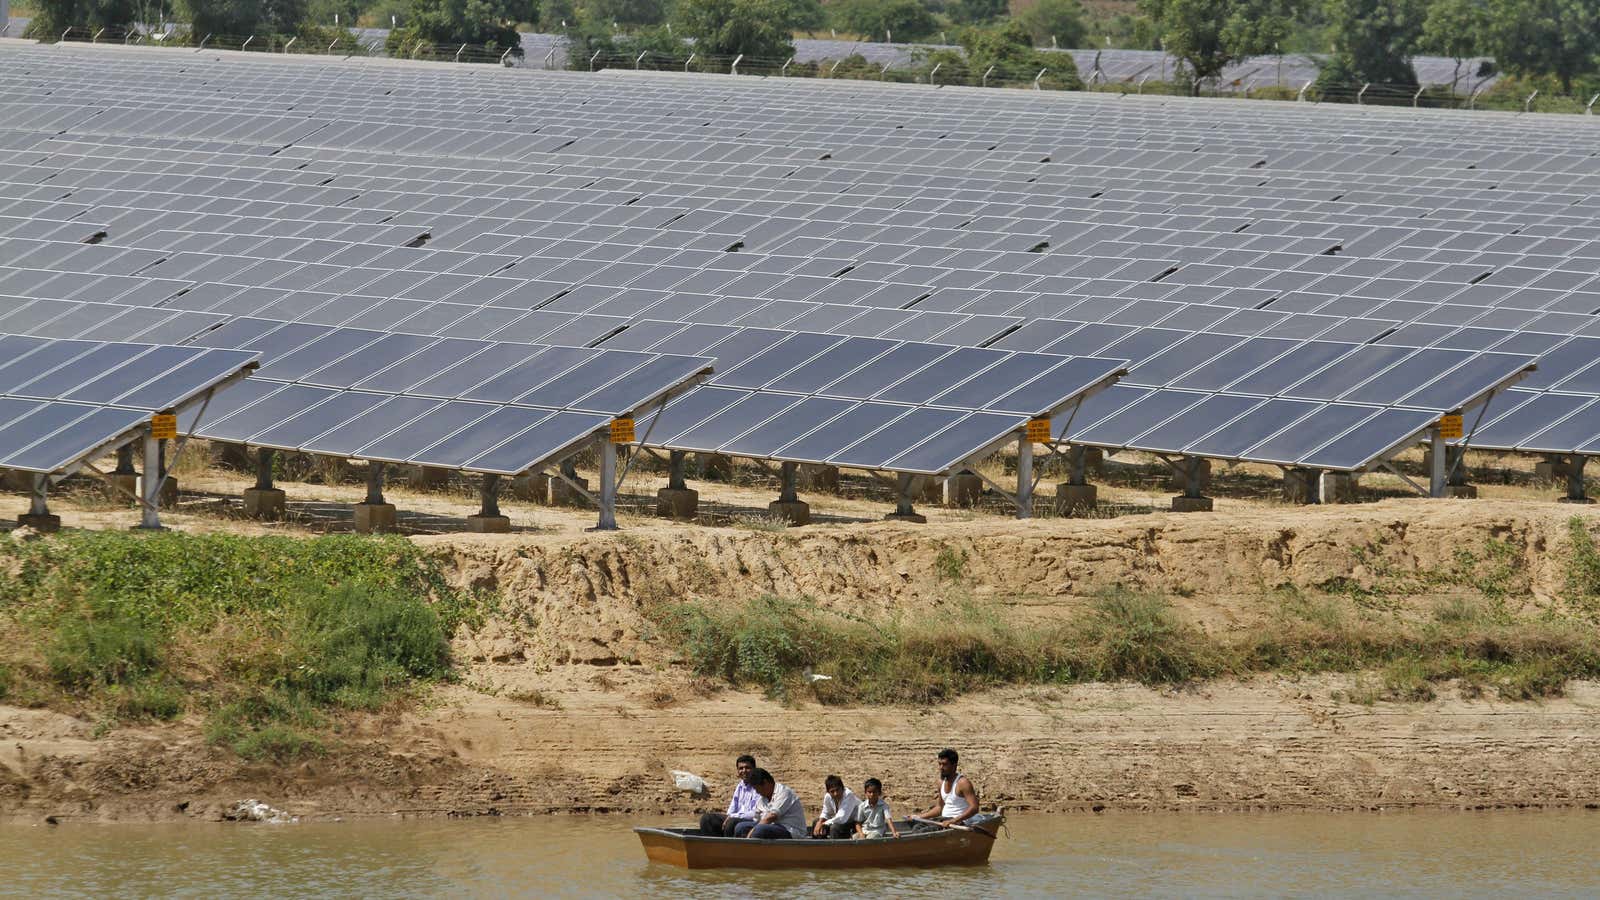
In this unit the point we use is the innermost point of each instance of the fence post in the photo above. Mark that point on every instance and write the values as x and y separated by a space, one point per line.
335 42
1301 97
1527 105
1362 93
835 67
688 61
1418 95
458 51
784 72
504 55
64 31
1589 110
550 57
246 43
290 43
986 74
92 40
1141 84
592 59
934 73
1472 102
734 69
639 58
1037 78
883 71
202 43
1249 84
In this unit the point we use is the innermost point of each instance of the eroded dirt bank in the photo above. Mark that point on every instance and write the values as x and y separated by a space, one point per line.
568 704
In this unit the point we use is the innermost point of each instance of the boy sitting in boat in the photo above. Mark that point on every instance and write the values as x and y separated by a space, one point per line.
839 806
874 819
780 813
741 806
957 800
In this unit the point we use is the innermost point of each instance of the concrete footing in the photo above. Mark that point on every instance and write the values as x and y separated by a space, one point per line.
1179 482
820 479
169 492
372 518
963 489
795 512
122 489
1302 486
913 518
44 523
1581 501
1075 499
489 524
264 503
428 478
1339 487
1461 491
1181 503
677 503
562 494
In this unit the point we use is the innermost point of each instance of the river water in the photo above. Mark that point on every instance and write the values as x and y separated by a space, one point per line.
1346 854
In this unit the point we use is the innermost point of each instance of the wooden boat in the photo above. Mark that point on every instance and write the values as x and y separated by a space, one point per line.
689 849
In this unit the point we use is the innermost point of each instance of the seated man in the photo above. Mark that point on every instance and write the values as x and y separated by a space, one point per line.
781 814
741 806
839 808
957 800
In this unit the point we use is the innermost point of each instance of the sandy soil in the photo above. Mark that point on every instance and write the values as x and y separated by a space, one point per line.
565 707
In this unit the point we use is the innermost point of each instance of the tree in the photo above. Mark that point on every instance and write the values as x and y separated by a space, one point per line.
907 20
490 24
1210 35
1009 49
621 12
1054 20
1455 28
1378 37
726 28
976 12
239 18
51 17
1545 37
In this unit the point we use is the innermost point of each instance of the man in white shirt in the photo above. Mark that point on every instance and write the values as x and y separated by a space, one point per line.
780 814
839 808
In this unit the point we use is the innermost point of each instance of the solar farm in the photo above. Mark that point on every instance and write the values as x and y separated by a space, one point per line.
501 272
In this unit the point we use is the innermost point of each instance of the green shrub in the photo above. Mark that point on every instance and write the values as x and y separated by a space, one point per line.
103 646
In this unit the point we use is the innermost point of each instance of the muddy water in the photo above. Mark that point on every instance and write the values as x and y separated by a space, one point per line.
1353 854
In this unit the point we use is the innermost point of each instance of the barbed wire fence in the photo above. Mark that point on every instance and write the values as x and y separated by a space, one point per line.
946 69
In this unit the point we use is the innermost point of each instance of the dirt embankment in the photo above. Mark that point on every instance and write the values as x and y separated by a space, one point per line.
567 704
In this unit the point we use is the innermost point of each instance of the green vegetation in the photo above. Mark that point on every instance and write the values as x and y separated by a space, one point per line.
1210 35
1123 635
267 638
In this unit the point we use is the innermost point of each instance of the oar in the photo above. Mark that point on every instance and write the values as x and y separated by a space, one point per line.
923 821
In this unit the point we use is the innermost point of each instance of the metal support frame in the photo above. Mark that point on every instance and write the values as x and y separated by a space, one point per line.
1575 491
264 468
904 493
1024 478
1077 459
787 483
489 496
1437 477
608 485
1191 476
38 496
678 462
150 516
374 484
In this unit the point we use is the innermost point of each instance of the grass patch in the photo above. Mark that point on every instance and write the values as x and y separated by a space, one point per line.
269 638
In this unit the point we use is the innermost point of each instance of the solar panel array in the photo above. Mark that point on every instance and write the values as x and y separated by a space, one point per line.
1287 284
61 400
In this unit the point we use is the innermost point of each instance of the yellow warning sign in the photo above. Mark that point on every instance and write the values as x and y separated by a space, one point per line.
621 431
1039 431
164 427
1450 427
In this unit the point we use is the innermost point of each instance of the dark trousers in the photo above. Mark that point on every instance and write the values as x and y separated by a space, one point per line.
715 824
767 832
840 832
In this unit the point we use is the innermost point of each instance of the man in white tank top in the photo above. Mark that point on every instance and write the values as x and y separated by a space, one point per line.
957 799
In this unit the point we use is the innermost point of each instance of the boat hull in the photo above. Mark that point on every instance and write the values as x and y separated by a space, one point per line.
688 849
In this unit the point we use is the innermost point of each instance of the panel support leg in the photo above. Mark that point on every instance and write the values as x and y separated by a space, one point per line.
150 487
122 483
789 507
374 514
608 486
677 500
1024 478
1076 495
489 520
38 516
1575 491
1192 469
905 493
264 501
1437 463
